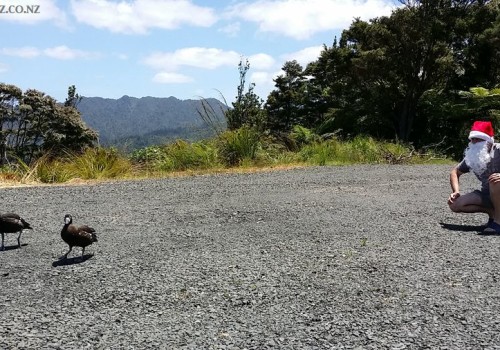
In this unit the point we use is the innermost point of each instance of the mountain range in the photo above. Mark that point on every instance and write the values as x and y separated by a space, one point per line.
139 122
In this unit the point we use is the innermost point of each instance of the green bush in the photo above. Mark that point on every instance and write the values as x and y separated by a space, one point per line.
361 150
98 163
147 155
182 155
320 153
238 145
243 147
358 150
52 171
301 136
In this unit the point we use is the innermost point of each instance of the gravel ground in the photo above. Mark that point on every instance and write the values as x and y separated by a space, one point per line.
355 257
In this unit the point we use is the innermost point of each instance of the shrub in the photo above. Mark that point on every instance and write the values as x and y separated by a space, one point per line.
182 155
302 136
147 155
98 163
51 171
238 145
320 153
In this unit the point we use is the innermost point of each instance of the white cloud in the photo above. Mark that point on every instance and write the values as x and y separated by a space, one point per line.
3 67
232 29
32 12
267 67
264 77
300 19
261 61
170 77
199 57
65 53
264 82
304 56
261 78
57 52
138 16
23 52
122 56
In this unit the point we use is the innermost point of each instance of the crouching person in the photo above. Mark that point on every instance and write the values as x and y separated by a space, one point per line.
482 157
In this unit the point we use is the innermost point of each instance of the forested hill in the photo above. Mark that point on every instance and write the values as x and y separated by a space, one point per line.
139 122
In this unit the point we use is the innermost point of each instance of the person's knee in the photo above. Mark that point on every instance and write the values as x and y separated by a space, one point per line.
455 207
494 188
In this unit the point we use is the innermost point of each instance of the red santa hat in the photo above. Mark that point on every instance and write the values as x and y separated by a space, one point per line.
482 130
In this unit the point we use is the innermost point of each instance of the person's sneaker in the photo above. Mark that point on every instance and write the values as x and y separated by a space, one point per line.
490 221
492 229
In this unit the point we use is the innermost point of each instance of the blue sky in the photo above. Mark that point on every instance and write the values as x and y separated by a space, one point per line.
161 48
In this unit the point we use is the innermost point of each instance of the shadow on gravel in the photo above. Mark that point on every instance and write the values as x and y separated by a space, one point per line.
12 247
467 228
72 261
464 228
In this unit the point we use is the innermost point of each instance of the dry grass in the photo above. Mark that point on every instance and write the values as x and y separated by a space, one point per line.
182 159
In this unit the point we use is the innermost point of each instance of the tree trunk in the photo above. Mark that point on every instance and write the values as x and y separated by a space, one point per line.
3 155
406 116
3 145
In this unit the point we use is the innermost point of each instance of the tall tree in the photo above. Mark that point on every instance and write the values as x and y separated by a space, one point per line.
247 109
397 59
9 107
476 45
340 91
376 77
73 98
34 123
285 104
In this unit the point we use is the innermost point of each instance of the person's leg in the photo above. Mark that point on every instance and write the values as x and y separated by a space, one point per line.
494 227
495 199
474 202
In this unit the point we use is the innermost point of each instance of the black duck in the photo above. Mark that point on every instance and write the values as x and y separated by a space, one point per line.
77 236
12 223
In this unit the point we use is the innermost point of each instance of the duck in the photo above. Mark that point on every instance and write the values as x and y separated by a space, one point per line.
79 236
12 223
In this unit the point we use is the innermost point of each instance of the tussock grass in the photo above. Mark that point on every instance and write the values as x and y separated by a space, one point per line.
93 164
182 155
238 146
364 150
98 163
231 151
55 171
178 156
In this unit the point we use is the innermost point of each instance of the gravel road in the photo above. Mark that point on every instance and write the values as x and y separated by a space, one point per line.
352 257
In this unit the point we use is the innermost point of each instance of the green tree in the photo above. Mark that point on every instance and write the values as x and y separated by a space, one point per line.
9 106
476 45
34 123
247 109
373 82
397 59
447 117
73 98
285 104
338 92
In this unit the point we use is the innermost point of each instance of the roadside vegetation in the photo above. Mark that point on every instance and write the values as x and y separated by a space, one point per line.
233 151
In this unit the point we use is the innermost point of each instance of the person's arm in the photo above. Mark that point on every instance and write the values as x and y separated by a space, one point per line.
455 184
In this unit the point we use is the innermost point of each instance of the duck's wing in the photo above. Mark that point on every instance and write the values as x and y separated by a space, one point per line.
11 222
14 219
78 235
10 215
86 228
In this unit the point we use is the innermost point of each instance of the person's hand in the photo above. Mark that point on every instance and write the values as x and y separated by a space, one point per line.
494 178
453 197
